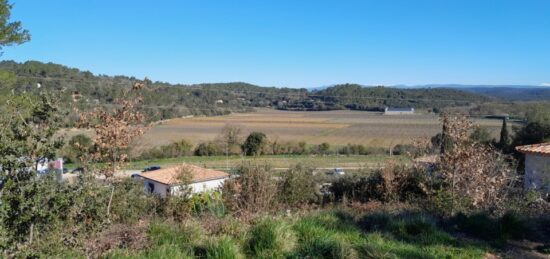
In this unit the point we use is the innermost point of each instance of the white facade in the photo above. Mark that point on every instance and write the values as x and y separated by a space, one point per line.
156 187
398 111
197 187
537 172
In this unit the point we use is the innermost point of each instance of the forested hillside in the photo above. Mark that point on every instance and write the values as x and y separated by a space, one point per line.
82 89
357 97
514 93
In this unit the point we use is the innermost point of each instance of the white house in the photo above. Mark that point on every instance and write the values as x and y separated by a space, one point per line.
537 166
167 181
398 111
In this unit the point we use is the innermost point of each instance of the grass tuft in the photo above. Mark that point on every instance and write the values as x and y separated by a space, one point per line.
223 248
271 238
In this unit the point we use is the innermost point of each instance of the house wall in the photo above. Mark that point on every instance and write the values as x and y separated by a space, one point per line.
537 172
201 186
159 188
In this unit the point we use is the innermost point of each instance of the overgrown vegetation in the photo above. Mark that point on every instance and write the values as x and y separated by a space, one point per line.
259 215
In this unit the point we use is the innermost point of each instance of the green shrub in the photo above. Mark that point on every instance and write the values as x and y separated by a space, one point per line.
208 149
176 149
176 208
321 149
404 149
392 183
254 144
207 202
270 238
130 202
297 186
78 147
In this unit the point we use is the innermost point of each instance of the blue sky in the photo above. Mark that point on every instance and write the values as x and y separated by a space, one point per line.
292 43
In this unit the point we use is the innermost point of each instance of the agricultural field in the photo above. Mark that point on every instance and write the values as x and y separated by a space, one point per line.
335 127
278 162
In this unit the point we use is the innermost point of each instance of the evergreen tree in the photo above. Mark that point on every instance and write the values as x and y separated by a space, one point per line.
10 32
254 143
504 136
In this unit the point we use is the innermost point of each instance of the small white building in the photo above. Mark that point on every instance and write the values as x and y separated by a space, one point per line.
398 111
537 166
168 181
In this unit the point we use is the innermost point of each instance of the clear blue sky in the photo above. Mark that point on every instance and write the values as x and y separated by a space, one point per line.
293 43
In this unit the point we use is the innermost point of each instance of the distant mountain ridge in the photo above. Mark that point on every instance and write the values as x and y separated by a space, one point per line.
462 86
502 92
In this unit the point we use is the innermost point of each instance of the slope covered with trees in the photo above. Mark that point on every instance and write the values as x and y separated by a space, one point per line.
82 89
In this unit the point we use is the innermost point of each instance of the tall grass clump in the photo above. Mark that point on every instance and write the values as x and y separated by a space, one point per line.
410 227
184 237
223 248
328 235
270 238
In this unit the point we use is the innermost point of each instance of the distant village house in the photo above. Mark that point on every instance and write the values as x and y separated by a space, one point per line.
398 111
537 166
168 181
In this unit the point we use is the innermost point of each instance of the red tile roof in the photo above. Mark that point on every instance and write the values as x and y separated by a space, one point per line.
169 176
542 149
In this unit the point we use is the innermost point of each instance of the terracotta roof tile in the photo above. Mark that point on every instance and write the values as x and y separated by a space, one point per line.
542 149
170 175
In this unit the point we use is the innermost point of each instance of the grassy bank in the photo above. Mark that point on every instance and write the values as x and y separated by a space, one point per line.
326 234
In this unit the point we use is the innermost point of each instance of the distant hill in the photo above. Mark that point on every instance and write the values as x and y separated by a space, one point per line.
357 97
514 94
83 89
504 92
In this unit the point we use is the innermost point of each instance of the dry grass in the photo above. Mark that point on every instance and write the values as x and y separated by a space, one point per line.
334 127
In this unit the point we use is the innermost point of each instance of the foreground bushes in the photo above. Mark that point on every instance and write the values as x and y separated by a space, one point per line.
393 183
142 226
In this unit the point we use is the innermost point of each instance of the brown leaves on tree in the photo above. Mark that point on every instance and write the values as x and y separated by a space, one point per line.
472 170
115 130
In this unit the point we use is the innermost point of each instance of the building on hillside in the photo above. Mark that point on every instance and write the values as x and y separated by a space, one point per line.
537 166
398 111
168 181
